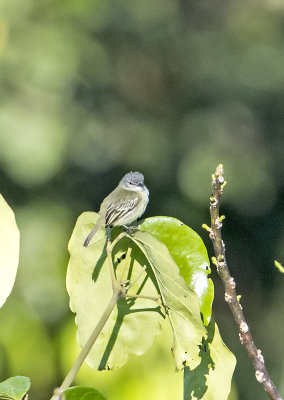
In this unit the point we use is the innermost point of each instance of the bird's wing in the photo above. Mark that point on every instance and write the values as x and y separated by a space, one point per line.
119 209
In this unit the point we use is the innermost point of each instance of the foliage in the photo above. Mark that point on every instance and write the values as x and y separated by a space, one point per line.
181 304
9 250
14 388
188 251
211 380
82 393
152 270
89 287
93 89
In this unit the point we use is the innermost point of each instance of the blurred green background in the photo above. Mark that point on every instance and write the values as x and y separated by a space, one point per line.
92 89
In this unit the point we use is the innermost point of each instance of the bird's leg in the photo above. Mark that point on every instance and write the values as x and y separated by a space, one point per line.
130 228
108 232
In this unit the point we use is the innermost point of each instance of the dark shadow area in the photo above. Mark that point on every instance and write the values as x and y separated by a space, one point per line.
123 309
195 380
124 305
99 263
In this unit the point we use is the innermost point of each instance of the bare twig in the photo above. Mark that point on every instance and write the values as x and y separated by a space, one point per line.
90 342
231 298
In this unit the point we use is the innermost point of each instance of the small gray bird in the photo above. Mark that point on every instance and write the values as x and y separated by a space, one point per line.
124 205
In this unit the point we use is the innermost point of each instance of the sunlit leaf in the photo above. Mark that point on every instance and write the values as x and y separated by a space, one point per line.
89 287
181 302
189 253
211 380
9 250
82 393
14 388
279 266
133 381
133 324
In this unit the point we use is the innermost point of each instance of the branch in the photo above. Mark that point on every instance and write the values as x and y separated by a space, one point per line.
231 298
110 246
90 342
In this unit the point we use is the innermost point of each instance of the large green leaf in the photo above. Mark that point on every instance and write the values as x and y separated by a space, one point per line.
14 388
9 250
181 302
82 393
132 326
190 254
211 380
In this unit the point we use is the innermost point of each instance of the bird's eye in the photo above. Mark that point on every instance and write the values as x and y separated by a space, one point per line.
131 183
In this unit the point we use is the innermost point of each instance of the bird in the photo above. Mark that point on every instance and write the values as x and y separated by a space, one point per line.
123 205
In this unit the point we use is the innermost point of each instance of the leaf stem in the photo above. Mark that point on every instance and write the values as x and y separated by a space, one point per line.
138 277
114 281
231 298
126 263
89 344
110 246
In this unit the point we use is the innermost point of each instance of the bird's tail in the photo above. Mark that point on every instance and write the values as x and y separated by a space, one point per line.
97 226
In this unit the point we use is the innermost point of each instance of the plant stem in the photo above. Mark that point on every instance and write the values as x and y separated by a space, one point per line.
110 246
246 339
89 344
126 264
112 273
138 277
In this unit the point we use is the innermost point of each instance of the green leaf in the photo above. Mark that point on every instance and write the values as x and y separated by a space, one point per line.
82 393
211 380
9 250
181 302
14 388
133 324
279 266
190 254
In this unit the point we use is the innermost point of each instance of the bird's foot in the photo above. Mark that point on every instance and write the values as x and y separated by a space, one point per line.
130 229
